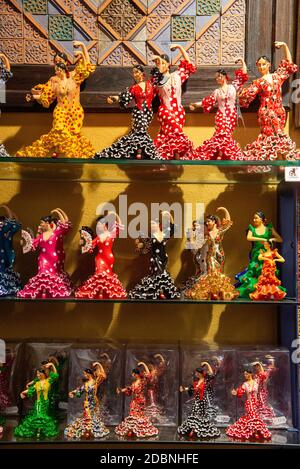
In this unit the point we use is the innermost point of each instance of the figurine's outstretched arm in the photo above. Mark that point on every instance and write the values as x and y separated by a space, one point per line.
182 50
145 367
226 212
85 52
61 215
287 51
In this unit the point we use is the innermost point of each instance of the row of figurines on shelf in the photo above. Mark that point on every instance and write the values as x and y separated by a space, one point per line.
65 138
94 376
259 281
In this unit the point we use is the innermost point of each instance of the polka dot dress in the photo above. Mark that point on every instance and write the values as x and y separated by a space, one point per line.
10 282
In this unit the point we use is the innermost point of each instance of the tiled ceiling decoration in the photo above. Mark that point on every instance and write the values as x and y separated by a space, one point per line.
123 32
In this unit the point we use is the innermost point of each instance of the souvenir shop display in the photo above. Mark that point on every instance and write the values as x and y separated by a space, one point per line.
159 284
65 138
51 280
39 423
258 233
158 365
104 283
137 144
5 75
222 146
198 424
90 425
10 282
136 424
214 285
171 142
272 143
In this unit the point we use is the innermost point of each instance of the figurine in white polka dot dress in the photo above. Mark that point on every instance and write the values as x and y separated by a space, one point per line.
51 280
9 279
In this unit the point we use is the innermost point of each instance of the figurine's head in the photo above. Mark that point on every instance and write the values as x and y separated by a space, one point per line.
199 372
88 374
248 373
211 221
222 77
155 226
41 373
60 70
268 245
263 65
105 222
138 73
259 219
61 57
163 63
47 223
136 373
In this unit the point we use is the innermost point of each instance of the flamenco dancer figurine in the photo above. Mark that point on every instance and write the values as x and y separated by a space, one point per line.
171 142
104 283
215 285
153 373
5 75
9 279
268 286
197 242
262 374
249 426
138 143
198 424
137 423
39 423
64 138
159 284
258 233
90 424
272 143
222 146
51 280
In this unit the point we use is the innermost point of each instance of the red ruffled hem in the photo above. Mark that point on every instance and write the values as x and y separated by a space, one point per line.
101 286
219 147
272 147
171 143
45 285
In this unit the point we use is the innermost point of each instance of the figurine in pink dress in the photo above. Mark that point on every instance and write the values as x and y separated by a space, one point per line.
272 143
51 280
104 283
222 145
171 142
249 426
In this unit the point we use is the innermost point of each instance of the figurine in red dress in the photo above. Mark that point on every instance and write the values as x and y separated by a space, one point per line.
222 146
272 143
104 283
268 286
51 280
137 423
249 426
137 144
263 374
171 142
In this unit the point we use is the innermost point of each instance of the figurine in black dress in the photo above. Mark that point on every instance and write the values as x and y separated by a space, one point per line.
158 284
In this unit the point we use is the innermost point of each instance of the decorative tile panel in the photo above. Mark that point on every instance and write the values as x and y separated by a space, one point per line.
208 7
36 7
60 27
183 28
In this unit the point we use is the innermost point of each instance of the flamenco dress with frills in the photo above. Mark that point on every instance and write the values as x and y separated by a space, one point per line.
171 115
249 426
90 424
159 283
5 75
198 422
104 283
247 279
272 143
65 138
222 145
51 280
214 285
153 409
137 423
10 282
265 411
268 286
138 140
38 423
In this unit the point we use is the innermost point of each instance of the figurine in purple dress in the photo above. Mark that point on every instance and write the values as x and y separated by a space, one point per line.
51 280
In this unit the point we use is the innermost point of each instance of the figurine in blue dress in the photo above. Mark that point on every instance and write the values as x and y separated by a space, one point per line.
9 279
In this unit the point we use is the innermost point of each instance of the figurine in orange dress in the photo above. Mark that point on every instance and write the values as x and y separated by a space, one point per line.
268 286
104 283
64 139
272 143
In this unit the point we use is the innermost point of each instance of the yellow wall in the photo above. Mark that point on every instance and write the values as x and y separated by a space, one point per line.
75 191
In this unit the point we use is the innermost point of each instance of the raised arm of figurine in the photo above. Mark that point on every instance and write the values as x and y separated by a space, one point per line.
182 50
63 217
9 212
243 64
99 372
276 237
85 52
145 368
209 368
51 366
5 61
226 223
287 52
259 365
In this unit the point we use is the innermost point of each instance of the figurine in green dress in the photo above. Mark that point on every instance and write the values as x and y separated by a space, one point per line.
39 423
257 234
